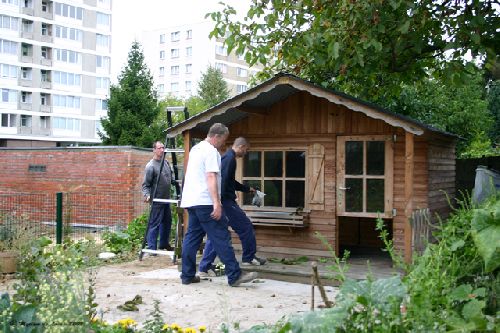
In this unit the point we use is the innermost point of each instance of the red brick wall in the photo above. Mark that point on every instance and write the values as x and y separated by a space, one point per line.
101 184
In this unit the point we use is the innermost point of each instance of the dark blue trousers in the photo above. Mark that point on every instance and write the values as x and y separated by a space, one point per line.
243 227
160 222
201 223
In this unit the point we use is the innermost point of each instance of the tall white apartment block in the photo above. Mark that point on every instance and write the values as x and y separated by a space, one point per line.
178 56
54 71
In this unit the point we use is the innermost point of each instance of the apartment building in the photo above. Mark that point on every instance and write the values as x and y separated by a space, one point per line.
54 71
178 56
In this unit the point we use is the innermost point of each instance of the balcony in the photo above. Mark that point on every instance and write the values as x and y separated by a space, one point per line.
46 108
44 131
47 38
25 82
27 58
25 106
45 62
46 14
28 11
27 34
24 130
46 84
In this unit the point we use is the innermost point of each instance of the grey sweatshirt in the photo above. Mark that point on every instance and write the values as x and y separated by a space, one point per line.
150 174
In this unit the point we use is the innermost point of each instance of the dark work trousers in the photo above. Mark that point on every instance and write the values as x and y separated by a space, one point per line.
201 223
160 222
243 227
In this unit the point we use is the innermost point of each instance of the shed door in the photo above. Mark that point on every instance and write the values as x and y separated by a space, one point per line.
364 176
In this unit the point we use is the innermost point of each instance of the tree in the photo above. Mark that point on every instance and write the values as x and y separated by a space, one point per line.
133 105
212 88
494 107
365 47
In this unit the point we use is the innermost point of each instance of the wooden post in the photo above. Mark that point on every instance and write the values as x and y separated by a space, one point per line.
187 148
322 292
409 175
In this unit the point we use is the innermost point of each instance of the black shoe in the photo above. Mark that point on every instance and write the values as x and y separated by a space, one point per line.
195 279
167 248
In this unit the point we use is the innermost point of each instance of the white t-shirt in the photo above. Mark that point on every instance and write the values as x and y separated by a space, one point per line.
203 158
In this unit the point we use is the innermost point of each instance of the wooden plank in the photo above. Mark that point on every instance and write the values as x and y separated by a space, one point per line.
409 174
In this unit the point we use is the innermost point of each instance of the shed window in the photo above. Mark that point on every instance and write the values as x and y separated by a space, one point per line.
279 174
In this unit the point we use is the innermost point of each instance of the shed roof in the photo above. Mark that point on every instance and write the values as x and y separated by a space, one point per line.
261 97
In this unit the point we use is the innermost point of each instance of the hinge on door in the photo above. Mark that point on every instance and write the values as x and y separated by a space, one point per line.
394 137
394 211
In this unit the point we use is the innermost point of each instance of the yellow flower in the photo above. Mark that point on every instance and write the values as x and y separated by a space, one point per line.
127 322
175 327
165 327
202 328
189 330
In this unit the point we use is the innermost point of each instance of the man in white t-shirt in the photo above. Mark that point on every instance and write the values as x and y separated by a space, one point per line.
201 196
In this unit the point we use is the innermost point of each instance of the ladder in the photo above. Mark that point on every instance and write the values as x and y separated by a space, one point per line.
170 146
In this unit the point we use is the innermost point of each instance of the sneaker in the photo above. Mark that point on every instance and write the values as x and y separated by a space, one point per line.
255 262
244 277
195 279
167 248
207 274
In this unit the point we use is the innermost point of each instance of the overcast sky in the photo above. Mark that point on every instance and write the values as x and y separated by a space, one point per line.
130 19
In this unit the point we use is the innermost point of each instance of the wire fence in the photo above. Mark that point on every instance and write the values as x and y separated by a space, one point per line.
83 213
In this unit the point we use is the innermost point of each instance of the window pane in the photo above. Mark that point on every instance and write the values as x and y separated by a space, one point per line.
294 196
354 195
295 164
247 197
375 195
375 157
273 164
272 189
354 158
251 164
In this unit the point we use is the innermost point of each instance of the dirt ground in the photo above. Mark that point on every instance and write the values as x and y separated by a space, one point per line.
210 303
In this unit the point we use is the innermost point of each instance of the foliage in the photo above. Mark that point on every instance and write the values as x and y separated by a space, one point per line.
494 108
16 233
212 88
486 233
362 46
128 240
133 105
155 320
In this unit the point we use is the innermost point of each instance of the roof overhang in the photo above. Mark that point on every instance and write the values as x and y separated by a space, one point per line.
259 100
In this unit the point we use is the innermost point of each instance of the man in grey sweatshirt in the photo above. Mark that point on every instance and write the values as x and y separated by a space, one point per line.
160 219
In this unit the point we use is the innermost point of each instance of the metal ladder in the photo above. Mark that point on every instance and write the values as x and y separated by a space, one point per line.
170 148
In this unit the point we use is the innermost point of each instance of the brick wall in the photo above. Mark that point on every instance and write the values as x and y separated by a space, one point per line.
101 184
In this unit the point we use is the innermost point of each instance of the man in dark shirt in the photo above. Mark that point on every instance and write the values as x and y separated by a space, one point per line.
238 220
160 219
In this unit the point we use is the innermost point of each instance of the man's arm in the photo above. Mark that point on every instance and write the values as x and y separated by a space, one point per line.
147 183
214 195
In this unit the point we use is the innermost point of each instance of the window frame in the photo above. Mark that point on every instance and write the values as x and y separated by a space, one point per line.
241 178
388 176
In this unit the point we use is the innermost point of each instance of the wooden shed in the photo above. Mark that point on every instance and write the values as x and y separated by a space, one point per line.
330 164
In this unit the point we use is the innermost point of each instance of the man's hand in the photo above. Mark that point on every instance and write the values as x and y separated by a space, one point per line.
252 190
147 198
217 212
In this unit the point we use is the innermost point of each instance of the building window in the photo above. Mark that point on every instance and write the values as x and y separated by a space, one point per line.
222 67
44 122
9 22
162 55
189 68
25 120
174 70
8 47
70 11
364 176
188 86
46 52
175 36
45 75
161 88
240 88
161 71
8 71
189 34
101 104
102 83
26 97
28 3
68 56
9 96
102 40
27 26
69 33
44 99
162 39
8 120
189 51
68 102
46 29
11 2
279 174
174 86
103 19
174 53
26 73
221 50
26 50
241 72
69 79
69 124
102 62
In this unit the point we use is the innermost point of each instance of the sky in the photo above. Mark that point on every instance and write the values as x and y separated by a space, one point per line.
129 21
